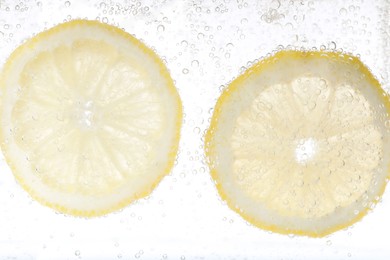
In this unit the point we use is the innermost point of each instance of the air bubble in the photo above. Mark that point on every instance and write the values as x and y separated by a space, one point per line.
185 71
387 124
332 45
200 36
195 63
244 21
77 253
343 11
67 3
276 4
230 45
289 26
160 28
323 84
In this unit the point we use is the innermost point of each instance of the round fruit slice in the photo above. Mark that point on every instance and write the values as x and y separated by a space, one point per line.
90 118
299 144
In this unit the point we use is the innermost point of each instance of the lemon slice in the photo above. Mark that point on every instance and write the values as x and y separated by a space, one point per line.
299 144
90 118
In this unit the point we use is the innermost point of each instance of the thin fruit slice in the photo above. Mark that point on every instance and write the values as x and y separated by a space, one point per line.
299 144
90 118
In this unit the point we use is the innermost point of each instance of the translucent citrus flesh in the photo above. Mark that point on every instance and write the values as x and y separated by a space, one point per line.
90 118
300 142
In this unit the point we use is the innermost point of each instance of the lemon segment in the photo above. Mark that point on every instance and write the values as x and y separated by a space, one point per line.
90 118
299 144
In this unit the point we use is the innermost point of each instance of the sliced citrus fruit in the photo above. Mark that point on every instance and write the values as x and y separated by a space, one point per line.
299 144
90 118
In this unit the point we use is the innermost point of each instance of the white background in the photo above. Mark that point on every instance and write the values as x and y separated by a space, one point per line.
205 44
